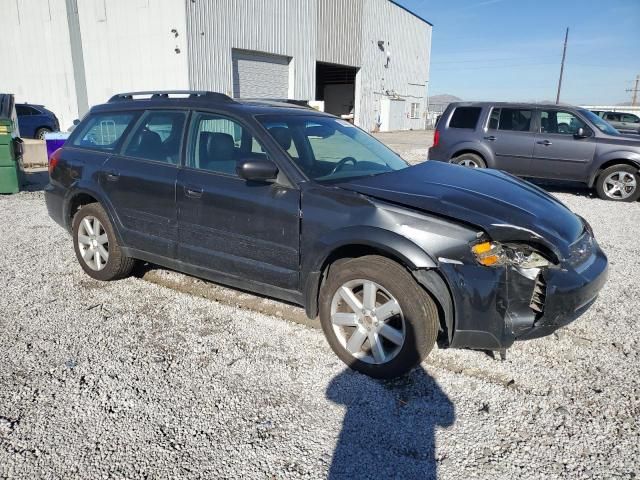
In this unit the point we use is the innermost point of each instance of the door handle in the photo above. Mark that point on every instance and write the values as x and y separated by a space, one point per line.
112 176
545 143
193 192
491 138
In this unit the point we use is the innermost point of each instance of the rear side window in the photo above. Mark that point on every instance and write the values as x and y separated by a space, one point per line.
465 117
103 131
157 136
510 119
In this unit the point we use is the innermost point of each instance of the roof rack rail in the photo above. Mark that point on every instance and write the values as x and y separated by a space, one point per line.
156 94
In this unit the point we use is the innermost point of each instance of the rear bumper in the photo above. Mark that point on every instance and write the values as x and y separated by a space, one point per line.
493 307
54 199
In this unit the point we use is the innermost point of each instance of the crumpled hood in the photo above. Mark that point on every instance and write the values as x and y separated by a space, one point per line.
504 206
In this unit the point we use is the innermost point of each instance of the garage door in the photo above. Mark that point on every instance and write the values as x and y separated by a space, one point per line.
259 75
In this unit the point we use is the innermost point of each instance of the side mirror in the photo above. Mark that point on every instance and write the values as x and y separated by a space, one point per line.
582 133
76 122
256 170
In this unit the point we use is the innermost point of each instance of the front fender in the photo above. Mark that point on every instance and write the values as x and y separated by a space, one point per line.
616 155
388 242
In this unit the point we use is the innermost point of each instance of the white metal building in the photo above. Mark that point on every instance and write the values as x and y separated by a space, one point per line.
366 57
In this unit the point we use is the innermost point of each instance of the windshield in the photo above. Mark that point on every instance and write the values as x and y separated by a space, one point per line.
328 149
602 125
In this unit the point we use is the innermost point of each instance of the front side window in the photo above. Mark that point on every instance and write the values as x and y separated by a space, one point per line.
157 136
103 131
510 119
565 123
217 143
329 149
465 117
629 118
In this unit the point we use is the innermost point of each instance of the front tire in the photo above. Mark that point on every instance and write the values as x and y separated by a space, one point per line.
96 245
470 160
376 317
620 183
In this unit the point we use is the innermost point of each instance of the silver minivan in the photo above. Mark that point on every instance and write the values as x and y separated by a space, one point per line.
558 142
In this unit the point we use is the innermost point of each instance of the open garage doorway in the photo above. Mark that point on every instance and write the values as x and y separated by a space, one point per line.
336 86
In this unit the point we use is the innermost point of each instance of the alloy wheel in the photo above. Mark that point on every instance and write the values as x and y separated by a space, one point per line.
368 321
619 185
93 243
468 163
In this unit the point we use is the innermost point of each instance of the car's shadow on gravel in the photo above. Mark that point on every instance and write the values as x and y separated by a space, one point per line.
552 186
389 426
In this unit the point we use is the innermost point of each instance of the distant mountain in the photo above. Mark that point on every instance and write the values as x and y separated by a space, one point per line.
623 104
444 99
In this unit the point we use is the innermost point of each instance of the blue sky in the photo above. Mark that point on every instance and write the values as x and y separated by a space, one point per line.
511 49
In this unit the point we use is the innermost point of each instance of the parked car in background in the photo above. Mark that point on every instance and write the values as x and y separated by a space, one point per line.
541 141
300 205
621 121
35 121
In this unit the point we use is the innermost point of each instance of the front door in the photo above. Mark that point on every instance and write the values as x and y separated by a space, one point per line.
511 137
245 230
559 153
140 182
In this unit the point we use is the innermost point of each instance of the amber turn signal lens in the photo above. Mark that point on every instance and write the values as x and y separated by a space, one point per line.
481 248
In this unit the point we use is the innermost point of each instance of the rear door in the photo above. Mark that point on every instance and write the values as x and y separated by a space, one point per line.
245 230
559 153
140 182
511 136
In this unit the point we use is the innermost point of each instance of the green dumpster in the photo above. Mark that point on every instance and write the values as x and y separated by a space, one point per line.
10 147
9 165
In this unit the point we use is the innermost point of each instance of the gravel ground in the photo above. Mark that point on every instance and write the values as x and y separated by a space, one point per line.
132 379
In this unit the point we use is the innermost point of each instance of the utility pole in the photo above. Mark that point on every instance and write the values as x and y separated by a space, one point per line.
635 91
564 54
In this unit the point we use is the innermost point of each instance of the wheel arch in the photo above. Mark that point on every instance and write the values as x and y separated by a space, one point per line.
79 197
353 242
633 162
475 148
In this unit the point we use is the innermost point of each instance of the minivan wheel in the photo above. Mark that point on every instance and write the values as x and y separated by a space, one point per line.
470 160
96 246
620 183
376 318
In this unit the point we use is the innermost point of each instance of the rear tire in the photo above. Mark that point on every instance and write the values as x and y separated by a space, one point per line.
620 183
470 160
41 132
96 245
392 338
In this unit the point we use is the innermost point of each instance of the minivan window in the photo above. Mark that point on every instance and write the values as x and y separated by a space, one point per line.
553 121
157 136
465 117
103 130
510 119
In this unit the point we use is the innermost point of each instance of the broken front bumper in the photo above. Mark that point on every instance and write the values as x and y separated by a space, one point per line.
493 307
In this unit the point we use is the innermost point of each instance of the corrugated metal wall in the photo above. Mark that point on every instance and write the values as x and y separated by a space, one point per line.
409 41
129 45
339 38
281 27
36 56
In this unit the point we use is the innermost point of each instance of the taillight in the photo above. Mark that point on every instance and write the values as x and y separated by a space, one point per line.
436 138
54 159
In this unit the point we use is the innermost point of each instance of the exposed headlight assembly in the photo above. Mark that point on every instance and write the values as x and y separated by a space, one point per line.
496 254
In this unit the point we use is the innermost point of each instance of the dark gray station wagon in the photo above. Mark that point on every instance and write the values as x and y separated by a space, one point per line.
541 141
299 205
